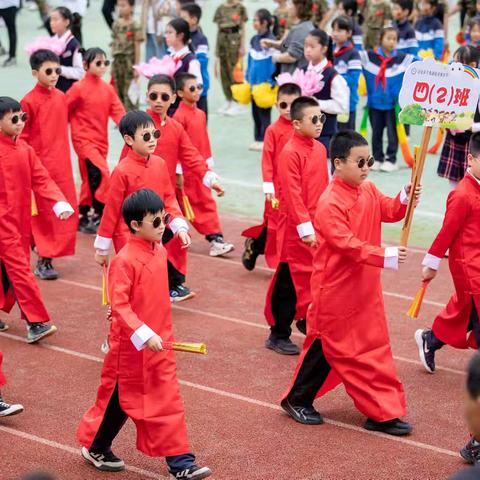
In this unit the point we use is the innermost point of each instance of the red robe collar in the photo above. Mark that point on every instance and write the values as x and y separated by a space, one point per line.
302 139
343 50
157 119
140 244
42 90
132 155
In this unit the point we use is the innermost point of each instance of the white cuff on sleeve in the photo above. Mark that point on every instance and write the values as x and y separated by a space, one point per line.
305 229
103 243
391 258
210 178
141 336
268 187
431 261
62 207
179 169
210 162
178 223
403 197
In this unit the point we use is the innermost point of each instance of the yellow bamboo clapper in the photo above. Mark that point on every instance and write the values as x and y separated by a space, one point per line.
275 203
34 206
414 309
105 300
186 347
187 209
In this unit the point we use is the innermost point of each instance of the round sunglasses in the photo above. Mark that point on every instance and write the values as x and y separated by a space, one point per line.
192 88
154 96
99 63
50 71
22 117
318 119
366 161
147 136
283 105
157 221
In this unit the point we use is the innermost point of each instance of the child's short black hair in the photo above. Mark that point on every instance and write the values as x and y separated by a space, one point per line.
468 54
134 120
404 5
299 105
91 54
432 3
385 30
343 23
343 142
162 80
38 58
473 146
193 9
473 376
182 78
350 7
131 3
66 14
324 39
139 204
289 89
7 105
264 16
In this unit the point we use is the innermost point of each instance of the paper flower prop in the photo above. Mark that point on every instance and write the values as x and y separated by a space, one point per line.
46 43
264 95
166 66
310 82
241 92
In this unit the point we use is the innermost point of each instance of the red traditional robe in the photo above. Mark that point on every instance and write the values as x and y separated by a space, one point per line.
148 388
302 177
91 102
134 173
347 313
276 137
460 233
46 131
194 121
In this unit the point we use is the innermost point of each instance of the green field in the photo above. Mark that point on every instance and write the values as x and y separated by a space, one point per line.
239 168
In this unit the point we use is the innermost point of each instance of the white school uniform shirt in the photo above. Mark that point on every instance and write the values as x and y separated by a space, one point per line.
76 71
194 66
339 93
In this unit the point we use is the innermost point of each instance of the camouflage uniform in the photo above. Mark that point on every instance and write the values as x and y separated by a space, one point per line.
284 21
230 20
125 36
377 14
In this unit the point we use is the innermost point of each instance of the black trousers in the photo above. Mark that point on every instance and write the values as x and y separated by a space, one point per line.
261 120
260 242
203 105
284 303
350 124
381 120
94 179
9 16
108 8
311 376
175 278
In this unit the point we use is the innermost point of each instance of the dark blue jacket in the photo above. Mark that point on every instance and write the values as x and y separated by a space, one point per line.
407 42
348 64
430 35
201 49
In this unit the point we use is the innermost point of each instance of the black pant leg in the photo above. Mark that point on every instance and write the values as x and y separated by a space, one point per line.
113 421
94 179
256 122
9 16
392 146
260 241
474 323
265 115
311 376
107 10
378 124
284 303
175 278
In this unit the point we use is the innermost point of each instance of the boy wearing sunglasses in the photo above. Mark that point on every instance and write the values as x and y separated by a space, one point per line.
194 121
21 172
46 130
139 379
262 239
347 336
302 177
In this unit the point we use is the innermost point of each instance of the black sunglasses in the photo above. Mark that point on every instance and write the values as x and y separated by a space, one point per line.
192 88
98 63
154 96
21 117
49 71
147 136
283 105
157 221
368 161
318 118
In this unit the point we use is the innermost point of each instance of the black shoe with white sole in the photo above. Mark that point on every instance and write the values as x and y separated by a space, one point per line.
250 254
194 473
305 415
394 427
107 461
425 352
7 409
284 346
37 331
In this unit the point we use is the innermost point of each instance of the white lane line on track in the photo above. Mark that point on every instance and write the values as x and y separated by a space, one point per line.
74 451
195 311
242 398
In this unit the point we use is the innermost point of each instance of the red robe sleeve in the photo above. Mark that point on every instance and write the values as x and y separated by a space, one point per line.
73 98
190 157
392 210
26 107
42 183
169 197
117 110
332 223
267 157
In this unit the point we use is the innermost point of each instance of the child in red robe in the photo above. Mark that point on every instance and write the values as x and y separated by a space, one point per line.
138 169
302 177
194 121
21 172
91 102
46 131
139 379
347 337
262 239
7 409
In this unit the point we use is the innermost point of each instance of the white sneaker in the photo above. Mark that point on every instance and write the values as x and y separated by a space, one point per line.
256 147
217 249
226 106
376 167
235 109
389 167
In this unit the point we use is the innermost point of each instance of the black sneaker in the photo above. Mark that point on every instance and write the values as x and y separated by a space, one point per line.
395 427
302 326
7 409
3 326
180 293
282 346
250 254
427 355
107 462
44 269
305 415
471 452
194 472
85 225
37 331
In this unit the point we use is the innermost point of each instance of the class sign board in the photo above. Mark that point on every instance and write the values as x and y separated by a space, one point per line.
439 95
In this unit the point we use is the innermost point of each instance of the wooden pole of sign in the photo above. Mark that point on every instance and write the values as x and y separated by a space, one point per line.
416 180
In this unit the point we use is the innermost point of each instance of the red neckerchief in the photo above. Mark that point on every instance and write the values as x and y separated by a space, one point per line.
381 73
343 50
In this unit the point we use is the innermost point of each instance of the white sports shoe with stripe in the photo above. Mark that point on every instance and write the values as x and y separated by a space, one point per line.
194 473
7 410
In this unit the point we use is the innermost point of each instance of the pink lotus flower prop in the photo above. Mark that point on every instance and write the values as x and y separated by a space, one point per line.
46 43
310 82
166 66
